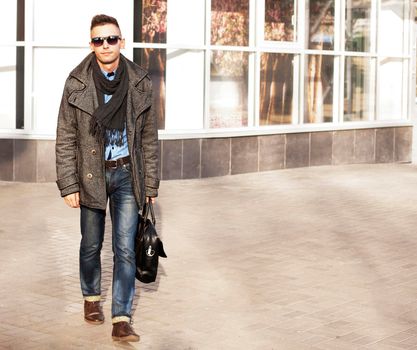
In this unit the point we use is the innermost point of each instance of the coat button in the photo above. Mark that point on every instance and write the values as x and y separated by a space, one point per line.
89 176
93 152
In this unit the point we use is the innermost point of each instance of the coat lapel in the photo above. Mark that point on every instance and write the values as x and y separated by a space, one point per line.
85 99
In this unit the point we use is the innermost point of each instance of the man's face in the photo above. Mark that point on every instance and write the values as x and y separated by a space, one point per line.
107 54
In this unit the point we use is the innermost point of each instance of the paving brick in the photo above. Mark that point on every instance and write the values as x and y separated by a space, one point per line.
306 258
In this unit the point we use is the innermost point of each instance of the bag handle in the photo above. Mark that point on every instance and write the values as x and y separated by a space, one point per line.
148 207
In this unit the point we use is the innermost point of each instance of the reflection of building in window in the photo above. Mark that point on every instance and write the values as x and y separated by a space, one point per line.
357 34
229 69
319 78
357 89
276 91
228 89
279 17
321 19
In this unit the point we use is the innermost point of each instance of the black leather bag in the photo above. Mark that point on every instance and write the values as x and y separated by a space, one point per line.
148 247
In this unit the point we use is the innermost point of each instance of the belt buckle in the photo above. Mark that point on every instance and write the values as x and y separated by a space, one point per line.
113 166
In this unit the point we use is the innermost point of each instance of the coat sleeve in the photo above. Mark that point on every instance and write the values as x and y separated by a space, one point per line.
150 146
66 147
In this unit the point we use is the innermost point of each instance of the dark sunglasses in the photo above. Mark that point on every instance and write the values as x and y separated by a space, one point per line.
111 40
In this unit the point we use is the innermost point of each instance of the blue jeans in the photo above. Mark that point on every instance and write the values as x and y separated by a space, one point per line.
124 216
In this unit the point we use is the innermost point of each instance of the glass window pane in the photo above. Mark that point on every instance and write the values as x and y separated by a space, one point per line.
319 89
358 25
391 95
391 28
321 25
183 28
8 88
228 89
185 90
150 21
8 21
276 90
230 22
280 19
20 87
154 61
359 97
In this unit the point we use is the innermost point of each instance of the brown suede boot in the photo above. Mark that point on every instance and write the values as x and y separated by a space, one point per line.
123 331
92 312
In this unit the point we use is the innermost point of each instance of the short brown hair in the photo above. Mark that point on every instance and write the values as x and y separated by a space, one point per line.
99 20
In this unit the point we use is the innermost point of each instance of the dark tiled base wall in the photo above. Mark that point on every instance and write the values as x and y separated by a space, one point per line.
34 160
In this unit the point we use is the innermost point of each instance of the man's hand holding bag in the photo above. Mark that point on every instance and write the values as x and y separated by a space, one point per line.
148 246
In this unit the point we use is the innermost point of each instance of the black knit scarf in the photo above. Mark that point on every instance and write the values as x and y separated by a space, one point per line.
109 119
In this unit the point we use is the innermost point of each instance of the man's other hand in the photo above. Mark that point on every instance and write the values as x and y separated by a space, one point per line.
73 200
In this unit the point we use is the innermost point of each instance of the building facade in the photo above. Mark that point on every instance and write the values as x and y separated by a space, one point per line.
239 86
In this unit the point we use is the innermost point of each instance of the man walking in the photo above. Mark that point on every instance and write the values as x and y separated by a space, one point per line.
107 150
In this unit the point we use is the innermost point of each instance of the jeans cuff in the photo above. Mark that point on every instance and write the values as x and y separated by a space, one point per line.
117 319
92 298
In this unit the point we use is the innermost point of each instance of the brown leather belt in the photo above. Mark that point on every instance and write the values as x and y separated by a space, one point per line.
113 164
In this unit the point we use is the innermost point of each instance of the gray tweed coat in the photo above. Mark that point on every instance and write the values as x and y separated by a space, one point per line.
80 157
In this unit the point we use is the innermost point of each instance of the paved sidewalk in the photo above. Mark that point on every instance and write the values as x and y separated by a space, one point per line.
311 258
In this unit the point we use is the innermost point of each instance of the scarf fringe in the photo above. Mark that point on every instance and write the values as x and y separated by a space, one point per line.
110 136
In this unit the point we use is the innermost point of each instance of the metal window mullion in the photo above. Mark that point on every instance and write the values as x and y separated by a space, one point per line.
341 109
374 26
339 25
29 121
260 24
378 57
339 105
252 23
251 89
252 78
257 88
405 88
337 92
303 27
298 90
373 89
207 39
409 87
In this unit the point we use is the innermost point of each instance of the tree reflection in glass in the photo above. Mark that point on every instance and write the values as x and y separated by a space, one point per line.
152 25
276 90
154 61
279 20
228 89
319 89
230 22
229 69
321 22
358 20
358 96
